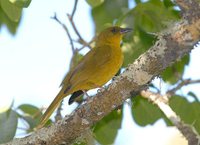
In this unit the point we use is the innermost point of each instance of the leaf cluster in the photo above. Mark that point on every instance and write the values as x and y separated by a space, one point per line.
10 13
147 19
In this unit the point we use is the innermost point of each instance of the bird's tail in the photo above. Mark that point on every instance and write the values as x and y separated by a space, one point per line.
74 96
52 107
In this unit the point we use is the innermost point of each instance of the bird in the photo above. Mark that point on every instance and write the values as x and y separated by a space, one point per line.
96 68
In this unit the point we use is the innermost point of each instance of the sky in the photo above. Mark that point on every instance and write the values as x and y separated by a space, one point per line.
35 60
39 51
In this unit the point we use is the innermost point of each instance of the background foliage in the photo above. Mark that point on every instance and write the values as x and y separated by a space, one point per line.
147 19
10 13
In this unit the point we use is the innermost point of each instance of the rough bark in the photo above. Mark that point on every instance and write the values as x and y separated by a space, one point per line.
171 46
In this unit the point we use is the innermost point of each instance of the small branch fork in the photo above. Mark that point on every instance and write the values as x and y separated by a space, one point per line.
66 30
180 85
81 40
58 112
74 50
70 17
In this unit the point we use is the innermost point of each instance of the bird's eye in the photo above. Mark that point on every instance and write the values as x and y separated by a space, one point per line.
114 30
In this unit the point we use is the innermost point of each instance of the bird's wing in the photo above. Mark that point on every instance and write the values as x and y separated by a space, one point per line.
91 62
101 56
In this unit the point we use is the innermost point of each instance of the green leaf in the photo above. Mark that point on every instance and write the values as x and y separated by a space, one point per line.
8 125
144 112
94 3
150 16
175 72
135 46
31 115
146 17
194 96
107 12
11 10
21 3
168 3
31 122
10 13
137 1
106 130
29 109
12 26
189 112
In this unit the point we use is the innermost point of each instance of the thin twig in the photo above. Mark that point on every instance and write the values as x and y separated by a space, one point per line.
70 17
180 85
89 43
74 27
82 41
66 30
74 9
58 112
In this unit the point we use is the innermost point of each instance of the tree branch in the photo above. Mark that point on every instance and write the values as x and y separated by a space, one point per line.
171 45
81 40
58 115
70 17
74 9
161 101
66 30
180 85
89 43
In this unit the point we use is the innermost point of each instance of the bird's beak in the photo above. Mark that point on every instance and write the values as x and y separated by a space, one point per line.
125 30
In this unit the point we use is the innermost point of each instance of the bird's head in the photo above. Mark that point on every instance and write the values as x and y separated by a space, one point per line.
113 34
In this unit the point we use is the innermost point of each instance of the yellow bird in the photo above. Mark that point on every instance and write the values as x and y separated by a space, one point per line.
96 68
